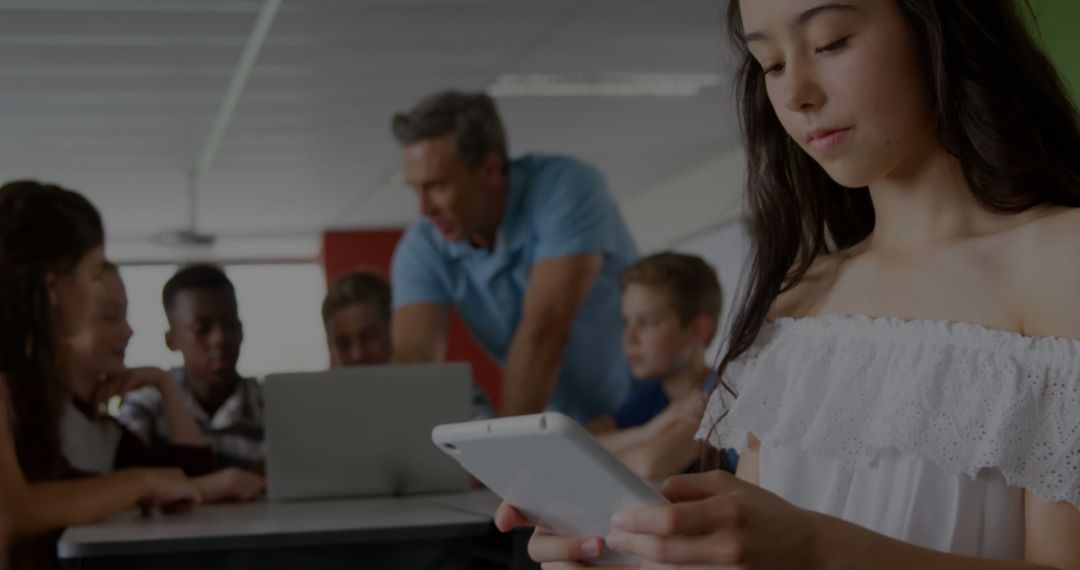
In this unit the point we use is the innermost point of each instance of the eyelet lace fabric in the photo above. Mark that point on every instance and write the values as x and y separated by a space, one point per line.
961 396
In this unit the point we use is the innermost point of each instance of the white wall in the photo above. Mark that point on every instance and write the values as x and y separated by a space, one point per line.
726 248
707 196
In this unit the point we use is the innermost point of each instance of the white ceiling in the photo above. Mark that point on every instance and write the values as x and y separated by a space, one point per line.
116 98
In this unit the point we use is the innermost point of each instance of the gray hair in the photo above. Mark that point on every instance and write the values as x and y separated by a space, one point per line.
470 118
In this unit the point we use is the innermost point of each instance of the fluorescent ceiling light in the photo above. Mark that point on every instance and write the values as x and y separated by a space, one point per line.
107 71
602 84
131 6
144 40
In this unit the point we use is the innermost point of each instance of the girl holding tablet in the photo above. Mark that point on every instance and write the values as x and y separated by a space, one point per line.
904 371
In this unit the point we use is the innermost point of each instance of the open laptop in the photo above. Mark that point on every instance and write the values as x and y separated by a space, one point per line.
363 431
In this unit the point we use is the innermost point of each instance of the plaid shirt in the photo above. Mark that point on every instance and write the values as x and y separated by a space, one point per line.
235 431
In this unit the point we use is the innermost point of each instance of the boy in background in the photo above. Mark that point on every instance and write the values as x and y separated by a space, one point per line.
671 305
356 315
205 328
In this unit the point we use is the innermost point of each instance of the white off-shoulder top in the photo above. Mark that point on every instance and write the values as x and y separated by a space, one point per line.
925 431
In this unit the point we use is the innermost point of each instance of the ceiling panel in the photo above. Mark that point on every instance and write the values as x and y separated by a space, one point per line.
116 98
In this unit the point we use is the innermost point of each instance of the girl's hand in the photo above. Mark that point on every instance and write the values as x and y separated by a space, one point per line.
168 490
553 552
717 521
230 484
121 383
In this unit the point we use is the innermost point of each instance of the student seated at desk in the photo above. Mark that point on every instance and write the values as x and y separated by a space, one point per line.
94 442
671 303
356 315
204 326
51 257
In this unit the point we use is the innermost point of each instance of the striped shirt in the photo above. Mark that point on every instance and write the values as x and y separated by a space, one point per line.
235 431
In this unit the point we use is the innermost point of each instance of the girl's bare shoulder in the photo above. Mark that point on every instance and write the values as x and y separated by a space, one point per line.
1046 274
803 296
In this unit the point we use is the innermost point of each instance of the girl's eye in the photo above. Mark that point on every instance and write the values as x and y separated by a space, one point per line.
835 46
777 68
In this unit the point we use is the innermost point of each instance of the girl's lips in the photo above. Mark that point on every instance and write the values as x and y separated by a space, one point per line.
824 141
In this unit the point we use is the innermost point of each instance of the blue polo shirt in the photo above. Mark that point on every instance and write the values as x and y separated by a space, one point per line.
557 207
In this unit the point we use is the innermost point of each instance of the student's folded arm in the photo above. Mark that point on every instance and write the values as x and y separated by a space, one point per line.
601 425
183 431
668 453
419 333
621 440
138 413
147 388
557 287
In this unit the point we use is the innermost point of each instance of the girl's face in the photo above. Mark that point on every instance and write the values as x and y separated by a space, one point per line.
844 80
74 296
101 345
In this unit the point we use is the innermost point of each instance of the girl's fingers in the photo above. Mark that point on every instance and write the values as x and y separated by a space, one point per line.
680 550
689 518
699 486
508 518
544 547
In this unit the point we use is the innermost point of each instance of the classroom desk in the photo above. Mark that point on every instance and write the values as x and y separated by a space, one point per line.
481 502
420 531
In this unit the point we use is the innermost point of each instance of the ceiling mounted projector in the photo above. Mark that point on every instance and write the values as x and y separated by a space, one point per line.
185 238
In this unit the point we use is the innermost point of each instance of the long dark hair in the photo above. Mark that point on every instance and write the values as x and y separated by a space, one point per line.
43 229
1001 111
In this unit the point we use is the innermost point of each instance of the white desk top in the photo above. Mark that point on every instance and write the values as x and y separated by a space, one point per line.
480 502
264 524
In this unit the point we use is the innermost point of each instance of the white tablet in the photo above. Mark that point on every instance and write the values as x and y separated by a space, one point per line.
552 470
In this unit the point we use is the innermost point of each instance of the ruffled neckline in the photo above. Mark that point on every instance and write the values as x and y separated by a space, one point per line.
951 332
962 396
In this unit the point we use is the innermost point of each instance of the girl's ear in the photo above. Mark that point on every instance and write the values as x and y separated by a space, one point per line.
51 284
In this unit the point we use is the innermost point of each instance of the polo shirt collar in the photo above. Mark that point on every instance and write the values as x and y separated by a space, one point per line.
230 413
512 233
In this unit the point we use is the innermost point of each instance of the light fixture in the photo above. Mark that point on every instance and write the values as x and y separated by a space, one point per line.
602 84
